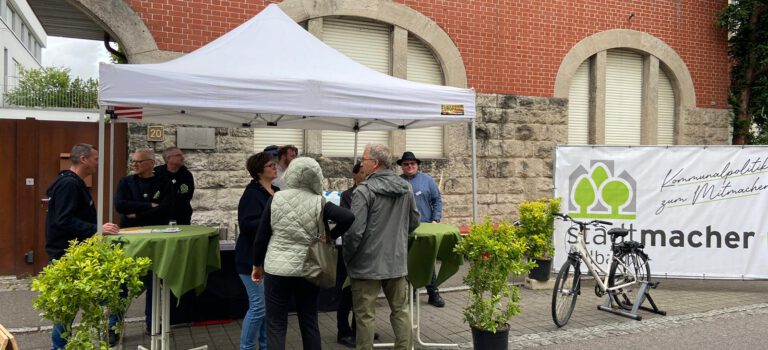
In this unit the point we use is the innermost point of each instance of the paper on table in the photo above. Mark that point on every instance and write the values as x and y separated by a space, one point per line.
129 231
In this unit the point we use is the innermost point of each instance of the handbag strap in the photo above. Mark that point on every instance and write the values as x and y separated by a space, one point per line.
321 234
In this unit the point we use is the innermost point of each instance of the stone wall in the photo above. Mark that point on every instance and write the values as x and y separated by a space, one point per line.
515 142
706 127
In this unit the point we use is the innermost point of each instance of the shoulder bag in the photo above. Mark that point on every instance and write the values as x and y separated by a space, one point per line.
320 262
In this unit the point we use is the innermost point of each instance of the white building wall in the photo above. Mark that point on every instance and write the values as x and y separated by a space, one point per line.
22 39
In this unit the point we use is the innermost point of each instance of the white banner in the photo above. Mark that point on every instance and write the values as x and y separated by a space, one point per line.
700 211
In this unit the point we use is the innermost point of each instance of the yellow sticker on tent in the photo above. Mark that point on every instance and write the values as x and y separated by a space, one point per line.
451 109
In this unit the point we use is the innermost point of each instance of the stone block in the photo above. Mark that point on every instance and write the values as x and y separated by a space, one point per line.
490 148
227 161
490 114
487 100
485 198
508 101
503 185
241 132
216 199
232 144
221 179
516 149
214 218
539 285
461 185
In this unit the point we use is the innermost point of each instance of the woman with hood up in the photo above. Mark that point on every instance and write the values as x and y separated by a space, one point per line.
287 227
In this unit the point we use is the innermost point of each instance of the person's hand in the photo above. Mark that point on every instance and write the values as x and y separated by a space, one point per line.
131 216
257 274
155 205
110 229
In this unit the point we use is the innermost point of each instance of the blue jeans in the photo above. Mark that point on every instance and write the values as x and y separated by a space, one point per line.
59 343
254 325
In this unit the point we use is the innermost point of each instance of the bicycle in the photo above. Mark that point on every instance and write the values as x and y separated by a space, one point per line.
628 269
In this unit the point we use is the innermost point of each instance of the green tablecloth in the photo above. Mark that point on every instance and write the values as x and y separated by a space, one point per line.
182 259
428 242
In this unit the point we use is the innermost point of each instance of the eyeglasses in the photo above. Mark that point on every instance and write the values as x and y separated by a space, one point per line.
408 164
139 161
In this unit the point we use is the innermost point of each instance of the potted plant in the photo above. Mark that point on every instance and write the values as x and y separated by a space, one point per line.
537 229
493 255
91 279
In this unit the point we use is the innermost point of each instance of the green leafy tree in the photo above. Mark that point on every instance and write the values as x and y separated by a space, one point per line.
537 227
88 280
493 254
747 24
53 87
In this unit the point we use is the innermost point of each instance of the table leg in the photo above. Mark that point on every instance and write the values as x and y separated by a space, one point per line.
415 313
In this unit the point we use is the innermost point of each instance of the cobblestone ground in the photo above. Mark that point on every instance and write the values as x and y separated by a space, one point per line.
685 301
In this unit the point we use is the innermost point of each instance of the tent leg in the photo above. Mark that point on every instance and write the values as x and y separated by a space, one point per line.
474 171
111 170
100 175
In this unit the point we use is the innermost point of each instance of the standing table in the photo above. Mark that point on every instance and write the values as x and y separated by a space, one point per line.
181 262
428 243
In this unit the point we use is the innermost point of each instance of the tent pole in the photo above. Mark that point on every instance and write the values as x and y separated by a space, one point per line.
354 154
474 171
111 168
100 175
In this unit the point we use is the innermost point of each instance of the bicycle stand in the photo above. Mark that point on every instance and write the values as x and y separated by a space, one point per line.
642 296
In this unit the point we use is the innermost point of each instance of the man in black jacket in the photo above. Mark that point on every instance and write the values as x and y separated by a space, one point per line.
143 199
182 184
72 214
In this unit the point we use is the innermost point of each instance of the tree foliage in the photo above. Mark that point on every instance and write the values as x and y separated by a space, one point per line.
493 254
53 87
747 24
91 280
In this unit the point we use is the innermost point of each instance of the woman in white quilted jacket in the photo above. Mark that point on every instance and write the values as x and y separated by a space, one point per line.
287 226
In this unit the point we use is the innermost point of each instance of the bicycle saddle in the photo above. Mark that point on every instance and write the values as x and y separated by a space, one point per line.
617 233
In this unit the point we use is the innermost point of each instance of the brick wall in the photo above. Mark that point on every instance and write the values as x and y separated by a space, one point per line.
508 46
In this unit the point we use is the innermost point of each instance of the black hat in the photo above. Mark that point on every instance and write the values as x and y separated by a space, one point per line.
408 155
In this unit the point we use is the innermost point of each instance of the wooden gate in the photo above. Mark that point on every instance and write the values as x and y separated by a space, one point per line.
35 152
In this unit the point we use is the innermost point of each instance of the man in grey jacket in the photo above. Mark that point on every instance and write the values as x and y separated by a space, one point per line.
376 246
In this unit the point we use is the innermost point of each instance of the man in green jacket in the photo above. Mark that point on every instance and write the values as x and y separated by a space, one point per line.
376 246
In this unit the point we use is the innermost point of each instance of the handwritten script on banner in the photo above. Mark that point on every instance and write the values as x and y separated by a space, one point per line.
698 210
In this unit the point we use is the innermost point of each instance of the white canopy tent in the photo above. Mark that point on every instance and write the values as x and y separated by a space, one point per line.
271 73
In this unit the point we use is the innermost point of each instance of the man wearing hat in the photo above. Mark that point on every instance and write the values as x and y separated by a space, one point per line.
429 204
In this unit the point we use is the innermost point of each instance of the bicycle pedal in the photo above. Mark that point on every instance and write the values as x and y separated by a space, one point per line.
653 285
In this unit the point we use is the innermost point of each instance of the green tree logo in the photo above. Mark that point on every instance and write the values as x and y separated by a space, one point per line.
598 194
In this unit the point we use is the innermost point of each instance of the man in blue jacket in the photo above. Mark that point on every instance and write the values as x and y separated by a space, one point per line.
430 207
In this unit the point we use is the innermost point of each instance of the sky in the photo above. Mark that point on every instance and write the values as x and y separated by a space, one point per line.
81 56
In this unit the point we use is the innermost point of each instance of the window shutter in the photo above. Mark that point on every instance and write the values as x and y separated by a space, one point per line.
341 143
578 106
279 137
666 111
623 98
423 67
367 43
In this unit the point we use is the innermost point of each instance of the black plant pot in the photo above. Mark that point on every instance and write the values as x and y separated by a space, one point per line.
486 340
542 270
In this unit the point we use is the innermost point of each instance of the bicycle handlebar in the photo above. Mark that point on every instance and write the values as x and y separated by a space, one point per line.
583 223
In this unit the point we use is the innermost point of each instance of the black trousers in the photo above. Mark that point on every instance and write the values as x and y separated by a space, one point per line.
343 328
280 292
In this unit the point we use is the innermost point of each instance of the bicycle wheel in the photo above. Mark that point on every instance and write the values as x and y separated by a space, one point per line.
627 268
565 293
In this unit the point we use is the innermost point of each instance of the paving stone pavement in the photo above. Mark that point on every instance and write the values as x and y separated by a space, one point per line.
685 301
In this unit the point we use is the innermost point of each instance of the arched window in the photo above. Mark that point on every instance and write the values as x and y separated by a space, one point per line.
629 95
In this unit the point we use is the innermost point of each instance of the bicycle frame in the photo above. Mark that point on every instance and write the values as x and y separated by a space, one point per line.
579 251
